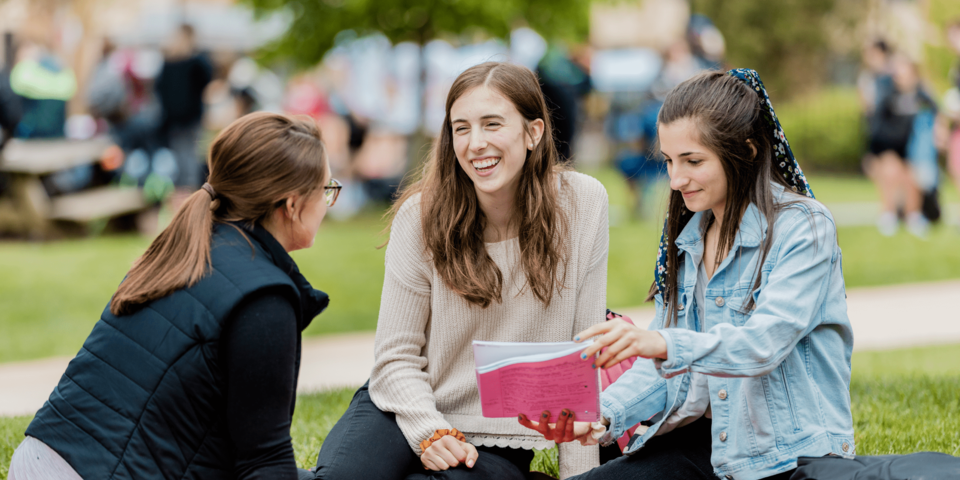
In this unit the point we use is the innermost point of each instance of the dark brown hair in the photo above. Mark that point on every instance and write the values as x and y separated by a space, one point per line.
255 164
453 222
728 118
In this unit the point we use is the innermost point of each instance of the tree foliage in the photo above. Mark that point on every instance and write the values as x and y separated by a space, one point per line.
787 41
316 23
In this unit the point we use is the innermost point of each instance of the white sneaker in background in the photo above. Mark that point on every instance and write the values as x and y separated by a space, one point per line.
887 224
917 225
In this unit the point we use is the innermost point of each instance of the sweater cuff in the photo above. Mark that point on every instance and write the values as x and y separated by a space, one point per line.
420 429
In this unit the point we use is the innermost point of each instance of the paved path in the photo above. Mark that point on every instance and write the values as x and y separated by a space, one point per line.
865 214
882 317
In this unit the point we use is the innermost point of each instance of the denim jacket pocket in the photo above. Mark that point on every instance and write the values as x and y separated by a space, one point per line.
737 311
784 405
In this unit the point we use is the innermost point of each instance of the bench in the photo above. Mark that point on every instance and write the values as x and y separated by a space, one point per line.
28 209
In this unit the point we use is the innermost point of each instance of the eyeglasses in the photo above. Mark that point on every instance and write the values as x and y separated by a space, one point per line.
332 191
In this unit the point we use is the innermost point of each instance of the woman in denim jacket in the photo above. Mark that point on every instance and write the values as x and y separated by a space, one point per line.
750 350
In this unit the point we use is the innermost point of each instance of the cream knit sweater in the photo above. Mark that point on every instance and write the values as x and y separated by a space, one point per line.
424 370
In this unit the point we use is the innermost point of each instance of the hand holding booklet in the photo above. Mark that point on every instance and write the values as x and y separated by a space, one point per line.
528 378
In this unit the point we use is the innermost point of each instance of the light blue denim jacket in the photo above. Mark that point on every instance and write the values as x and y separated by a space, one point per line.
779 375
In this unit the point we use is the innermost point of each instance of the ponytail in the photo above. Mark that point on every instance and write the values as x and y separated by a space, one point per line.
255 163
179 257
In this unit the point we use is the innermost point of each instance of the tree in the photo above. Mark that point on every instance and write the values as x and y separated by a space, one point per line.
787 41
316 23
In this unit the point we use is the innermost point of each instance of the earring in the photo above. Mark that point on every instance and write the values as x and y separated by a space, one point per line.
531 146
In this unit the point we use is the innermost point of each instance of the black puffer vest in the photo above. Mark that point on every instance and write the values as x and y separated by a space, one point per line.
144 398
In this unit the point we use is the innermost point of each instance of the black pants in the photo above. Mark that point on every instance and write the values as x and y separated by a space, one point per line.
682 454
367 443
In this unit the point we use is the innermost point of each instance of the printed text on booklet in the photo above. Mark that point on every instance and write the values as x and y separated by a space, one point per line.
528 378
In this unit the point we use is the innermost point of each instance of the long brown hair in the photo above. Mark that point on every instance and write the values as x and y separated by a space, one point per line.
727 115
453 222
255 164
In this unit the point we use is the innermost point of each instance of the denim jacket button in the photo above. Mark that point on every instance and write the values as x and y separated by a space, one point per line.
722 394
723 436
846 447
719 301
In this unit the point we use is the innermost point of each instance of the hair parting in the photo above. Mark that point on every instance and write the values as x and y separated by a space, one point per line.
728 118
453 222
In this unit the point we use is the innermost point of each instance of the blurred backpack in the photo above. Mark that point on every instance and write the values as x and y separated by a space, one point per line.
915 466
107 92
923 159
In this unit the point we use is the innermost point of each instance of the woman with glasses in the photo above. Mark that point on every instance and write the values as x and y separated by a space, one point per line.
191 370
495 242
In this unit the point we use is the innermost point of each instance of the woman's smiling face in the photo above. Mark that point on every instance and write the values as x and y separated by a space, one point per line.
695 171
490 141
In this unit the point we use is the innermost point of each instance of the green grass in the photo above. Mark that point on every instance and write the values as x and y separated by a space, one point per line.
11 434
52 293
906 400
903 401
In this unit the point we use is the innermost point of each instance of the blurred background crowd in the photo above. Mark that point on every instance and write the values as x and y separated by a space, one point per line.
102 96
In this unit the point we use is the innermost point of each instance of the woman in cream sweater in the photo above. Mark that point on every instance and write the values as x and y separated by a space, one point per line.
495 242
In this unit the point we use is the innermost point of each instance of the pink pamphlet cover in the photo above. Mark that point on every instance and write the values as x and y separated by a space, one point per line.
530 388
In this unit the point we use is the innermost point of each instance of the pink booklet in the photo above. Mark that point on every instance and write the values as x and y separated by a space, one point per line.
528 378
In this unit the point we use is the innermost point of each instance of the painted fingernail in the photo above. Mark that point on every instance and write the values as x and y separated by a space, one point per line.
563 413
544 415
583 356
594 365
470 463
577 338
520 417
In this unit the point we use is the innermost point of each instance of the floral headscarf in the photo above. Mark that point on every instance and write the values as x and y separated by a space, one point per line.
785 161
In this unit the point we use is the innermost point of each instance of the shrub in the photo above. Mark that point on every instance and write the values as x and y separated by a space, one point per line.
825 129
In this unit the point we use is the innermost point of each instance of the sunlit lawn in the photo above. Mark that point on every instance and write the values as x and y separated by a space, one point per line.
903 401
52 293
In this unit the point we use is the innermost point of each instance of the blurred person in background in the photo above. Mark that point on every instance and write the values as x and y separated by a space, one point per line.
889 141
44 85
874 82
116 94
564 83
563 80
191 370
306 96
10 107
706 42
638 161
107 90
179 88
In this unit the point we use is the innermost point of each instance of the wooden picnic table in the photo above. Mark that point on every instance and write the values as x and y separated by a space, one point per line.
29 210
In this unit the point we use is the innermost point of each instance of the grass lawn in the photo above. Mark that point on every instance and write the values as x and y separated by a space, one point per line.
52 293
903 401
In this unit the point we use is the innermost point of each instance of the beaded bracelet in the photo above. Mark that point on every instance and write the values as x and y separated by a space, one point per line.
453 432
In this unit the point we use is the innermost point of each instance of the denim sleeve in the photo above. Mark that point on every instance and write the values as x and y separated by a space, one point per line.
787 309
639 394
